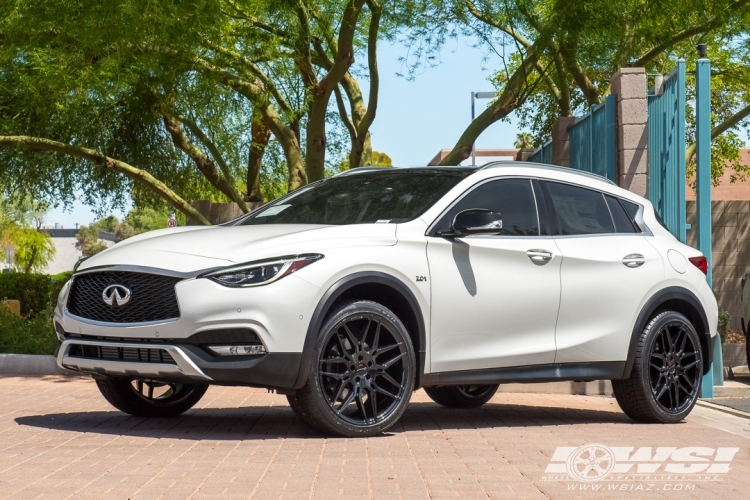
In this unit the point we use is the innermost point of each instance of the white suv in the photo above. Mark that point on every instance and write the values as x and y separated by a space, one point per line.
348 294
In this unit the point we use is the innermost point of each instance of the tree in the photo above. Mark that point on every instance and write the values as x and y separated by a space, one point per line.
524 140
20 220
178 88
560 55
88 242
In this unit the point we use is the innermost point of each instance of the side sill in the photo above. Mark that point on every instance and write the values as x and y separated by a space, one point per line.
602 370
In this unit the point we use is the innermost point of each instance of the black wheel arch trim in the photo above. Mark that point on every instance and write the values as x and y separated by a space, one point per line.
647 312
338 289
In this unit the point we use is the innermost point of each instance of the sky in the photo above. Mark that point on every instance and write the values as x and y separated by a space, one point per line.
415 118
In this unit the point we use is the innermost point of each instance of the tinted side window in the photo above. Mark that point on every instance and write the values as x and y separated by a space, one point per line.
632 210
623 223
580 210
513 198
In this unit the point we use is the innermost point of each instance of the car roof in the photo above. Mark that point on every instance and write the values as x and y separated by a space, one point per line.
472 169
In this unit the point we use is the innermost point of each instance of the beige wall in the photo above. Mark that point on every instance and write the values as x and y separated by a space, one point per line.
730 221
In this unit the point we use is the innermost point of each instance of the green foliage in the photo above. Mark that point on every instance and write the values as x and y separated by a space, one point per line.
381 160
524 140
87 240
34 249
18 221
34 335
723 327
143 219
33 290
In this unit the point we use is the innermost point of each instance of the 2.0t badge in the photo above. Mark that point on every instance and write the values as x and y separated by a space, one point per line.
116 295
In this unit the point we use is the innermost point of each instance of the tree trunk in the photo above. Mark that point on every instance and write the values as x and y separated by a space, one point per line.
361 153
260 134
316 135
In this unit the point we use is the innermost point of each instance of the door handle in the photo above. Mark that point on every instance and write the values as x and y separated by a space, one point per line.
539 256
634 260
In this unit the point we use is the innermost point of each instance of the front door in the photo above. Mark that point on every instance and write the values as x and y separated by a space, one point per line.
494 298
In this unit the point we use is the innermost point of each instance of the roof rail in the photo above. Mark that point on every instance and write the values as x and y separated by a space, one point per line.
544 166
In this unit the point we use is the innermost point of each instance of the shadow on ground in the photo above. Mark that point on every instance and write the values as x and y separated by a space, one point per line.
276 422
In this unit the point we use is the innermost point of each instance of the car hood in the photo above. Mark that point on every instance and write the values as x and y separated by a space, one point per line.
194 248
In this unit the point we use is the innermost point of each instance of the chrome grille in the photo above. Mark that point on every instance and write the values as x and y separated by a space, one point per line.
153 297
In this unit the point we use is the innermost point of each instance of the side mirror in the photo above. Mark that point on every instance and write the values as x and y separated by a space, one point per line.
475 221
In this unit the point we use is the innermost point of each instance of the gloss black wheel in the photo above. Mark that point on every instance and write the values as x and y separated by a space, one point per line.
150 398
462 396
667 371
362 374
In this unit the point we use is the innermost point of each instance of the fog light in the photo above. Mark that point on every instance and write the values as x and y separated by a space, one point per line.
241 350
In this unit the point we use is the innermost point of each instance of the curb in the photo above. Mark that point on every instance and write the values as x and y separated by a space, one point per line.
723 409
31 364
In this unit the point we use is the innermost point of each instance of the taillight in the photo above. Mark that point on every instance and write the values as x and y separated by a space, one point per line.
701 263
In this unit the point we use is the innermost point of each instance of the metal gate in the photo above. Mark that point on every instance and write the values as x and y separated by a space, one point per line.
592 140
666 150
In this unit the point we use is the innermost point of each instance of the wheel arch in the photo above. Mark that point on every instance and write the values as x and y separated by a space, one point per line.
677 299
378 287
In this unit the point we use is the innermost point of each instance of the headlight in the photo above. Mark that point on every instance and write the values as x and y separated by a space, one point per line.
261 272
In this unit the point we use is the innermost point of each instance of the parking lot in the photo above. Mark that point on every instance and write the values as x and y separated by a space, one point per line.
60 439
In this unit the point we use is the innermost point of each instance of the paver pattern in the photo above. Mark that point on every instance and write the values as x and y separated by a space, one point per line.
60 439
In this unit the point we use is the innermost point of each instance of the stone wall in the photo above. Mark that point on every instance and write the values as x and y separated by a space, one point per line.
730 228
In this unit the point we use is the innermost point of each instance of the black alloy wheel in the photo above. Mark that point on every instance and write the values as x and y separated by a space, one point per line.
150 398
362 374
462 396
667 371
675 368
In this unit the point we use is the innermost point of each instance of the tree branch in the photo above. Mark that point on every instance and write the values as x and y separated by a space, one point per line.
500 108
372 63
140 176
727 124
218 158
687 33
344 115
204 164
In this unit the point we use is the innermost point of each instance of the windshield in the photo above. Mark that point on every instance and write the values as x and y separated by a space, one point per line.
366 198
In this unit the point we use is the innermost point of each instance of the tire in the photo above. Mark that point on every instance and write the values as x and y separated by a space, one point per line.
667 372
461 396
362 373
142 398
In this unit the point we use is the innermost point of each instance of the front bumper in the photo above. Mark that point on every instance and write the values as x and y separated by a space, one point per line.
177 363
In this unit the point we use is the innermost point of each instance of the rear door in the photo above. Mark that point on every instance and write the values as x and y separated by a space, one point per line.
607 269
494 298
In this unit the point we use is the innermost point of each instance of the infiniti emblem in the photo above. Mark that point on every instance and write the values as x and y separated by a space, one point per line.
116 295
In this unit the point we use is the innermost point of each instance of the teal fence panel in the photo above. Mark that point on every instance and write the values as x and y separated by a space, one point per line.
666 146
543 154
592 140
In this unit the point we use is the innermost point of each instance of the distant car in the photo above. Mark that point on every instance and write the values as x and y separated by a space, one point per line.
348 294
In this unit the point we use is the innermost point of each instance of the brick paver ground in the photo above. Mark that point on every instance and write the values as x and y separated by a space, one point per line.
60 439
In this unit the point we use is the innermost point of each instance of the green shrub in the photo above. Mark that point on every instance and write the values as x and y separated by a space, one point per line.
34 335
37 292
58 280
33 290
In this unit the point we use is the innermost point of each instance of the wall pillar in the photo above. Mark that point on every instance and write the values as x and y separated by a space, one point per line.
629 85
561 141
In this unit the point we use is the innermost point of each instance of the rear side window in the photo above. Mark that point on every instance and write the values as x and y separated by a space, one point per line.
623 222
513 198
580 210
